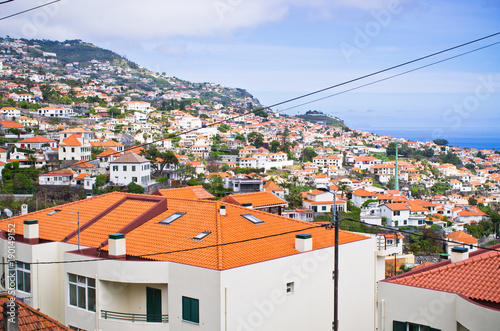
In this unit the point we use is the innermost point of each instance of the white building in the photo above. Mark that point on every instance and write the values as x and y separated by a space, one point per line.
130 168
142 106
55 112
75 147
454 295
60 177
280 282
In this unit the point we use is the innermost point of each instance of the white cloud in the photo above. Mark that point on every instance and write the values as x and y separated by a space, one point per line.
153 19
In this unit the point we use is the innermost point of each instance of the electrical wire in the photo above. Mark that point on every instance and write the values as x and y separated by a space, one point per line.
28 10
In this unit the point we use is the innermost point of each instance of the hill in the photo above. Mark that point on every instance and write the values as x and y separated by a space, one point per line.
69 51
318 117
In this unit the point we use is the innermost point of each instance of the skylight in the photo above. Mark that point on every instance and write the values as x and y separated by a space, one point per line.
55 211
253 219
171 218
201 235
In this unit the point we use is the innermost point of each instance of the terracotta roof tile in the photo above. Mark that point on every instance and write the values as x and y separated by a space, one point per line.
188 192
257 199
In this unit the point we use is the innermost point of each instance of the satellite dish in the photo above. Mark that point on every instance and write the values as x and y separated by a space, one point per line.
7 212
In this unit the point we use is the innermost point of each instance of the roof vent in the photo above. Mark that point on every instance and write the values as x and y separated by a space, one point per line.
55 211
247 205
222 210
116 245
202 235
459 254
303 242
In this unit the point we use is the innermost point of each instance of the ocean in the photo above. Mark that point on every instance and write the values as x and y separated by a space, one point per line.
480 138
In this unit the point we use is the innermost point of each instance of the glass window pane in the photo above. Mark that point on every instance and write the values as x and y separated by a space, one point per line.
81 297
91 293
91 282
81 280
72 295
72 278
20 281
27 266
27 282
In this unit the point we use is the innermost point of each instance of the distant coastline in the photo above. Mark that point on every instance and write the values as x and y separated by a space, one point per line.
479 138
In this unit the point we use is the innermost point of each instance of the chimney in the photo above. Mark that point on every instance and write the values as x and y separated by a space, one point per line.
24 209
116 245
303 242
222 210
247 205
30 230
10 315
459 254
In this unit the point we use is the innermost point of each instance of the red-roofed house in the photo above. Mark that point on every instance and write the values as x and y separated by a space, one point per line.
36 142
75 147
360 196
322 202
459 294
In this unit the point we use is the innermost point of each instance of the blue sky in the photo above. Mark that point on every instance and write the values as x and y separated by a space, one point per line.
278 49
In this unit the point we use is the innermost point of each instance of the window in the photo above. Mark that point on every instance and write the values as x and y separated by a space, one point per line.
202 235
72 149
323 208
115 168
82 292
396 213
124 168
190 310
54 212
290 288
23 276
134 179
405 222
133 168
405 326
253 219
171 218
420 222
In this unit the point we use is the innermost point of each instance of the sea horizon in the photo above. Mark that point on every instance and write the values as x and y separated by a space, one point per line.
479 138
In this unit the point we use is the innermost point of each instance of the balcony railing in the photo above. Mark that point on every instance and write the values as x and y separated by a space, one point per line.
106 314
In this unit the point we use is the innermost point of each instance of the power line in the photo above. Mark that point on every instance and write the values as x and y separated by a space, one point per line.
27 10
344 83
182 250
390 77
387 228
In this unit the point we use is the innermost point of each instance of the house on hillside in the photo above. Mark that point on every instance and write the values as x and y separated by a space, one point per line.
128 168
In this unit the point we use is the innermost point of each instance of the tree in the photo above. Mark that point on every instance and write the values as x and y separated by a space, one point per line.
185 170
285 143
256 139
274 146
216 186
135 188
308 154
441 142
22 183
159 160
114 112
224 168
472 201
450 158
224 128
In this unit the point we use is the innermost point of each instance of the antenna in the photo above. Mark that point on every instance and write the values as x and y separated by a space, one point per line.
7 212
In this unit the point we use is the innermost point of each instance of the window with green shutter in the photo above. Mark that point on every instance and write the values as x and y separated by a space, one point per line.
190 310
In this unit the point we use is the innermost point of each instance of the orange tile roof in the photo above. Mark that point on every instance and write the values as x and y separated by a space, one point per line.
37 139
72 140
272 186
110 151
188 192
11 125
239 241
462 237
397 206
477 278
364 193
31 319
257 199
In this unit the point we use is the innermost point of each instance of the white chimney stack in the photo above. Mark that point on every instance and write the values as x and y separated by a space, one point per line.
222 210
117 246
30 231
303 242
459 254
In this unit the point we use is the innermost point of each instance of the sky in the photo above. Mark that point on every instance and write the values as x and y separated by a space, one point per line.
281 49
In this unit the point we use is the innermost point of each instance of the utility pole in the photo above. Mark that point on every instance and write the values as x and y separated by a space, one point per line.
336 267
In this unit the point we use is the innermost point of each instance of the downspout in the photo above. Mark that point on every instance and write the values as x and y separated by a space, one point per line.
225 308
383 315
97 306
38 283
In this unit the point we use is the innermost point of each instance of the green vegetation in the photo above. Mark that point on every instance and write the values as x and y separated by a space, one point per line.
315 117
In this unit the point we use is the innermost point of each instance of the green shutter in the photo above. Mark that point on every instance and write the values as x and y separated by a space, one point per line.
190 310
398 326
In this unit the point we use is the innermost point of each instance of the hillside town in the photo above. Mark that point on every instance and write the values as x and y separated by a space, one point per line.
149 164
